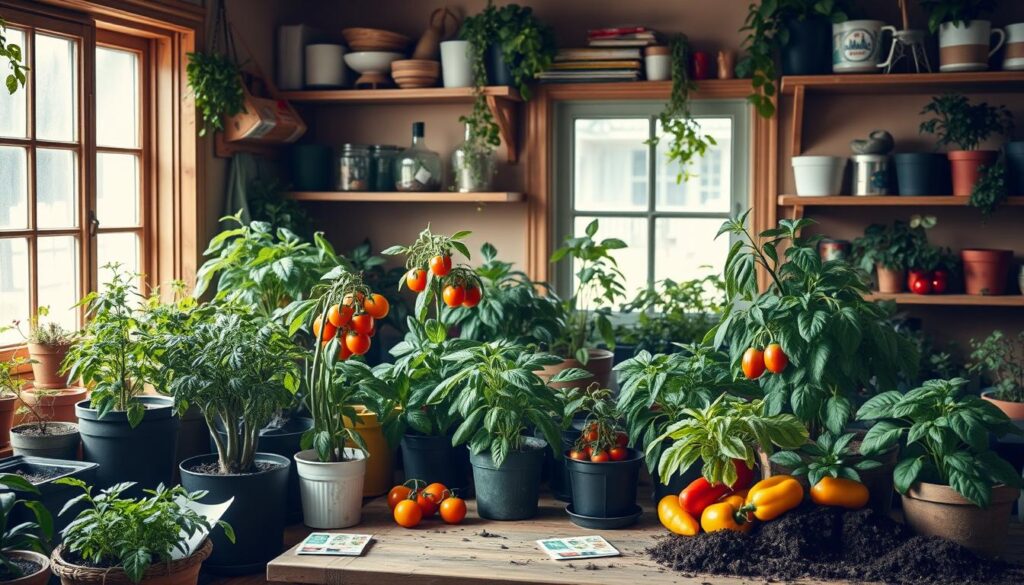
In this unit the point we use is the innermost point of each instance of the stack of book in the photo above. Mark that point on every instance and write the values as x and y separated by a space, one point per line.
612 54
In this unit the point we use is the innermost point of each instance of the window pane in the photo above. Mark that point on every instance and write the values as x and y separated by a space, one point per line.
59 278
13 187
56 188
120 248
56 78
611 164
686 248
117 197
13 285
117 109
13 108
710 184
632 259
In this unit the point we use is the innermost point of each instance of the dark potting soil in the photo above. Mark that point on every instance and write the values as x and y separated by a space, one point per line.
831 543
213 468
50 430
40 474
26 566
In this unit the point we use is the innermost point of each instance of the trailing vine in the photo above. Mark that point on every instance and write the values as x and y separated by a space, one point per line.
13 54
990 189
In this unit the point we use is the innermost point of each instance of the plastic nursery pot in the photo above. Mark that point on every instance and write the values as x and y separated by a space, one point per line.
41 576
332 493
1015 168
43 473
599 365
509 492
59 440
57 405
818 176
889 280
498 72
257 513
937 510
193 436
986 271
434 459
179 572
604 490
809 50
966 168
144 454
557 474
922 173
380 468
47 364
1014 410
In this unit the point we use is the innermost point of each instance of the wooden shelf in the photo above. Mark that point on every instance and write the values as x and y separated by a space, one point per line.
903 83
950 300
426 95
884 201
378 197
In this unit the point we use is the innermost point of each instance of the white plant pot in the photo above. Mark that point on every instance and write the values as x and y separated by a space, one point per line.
658 67
965 46
325 66
332 493
456 69
818 176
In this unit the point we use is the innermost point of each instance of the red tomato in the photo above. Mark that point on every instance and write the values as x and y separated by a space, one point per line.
578 455
361 324
621 439
940 282
343 351
416 280
397 494
441 265
590 435
339 316
599 456
775 359
328 330
753 363
427 503
358 343
921 286
473 295
618 453
914 275
453 295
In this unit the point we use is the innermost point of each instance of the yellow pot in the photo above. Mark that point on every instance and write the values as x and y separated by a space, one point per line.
379 467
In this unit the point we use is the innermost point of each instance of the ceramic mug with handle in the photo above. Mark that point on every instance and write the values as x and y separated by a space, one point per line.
964 46
1014 59
857 45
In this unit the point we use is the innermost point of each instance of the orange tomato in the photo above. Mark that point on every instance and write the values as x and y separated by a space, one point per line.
437 490
328 330
397 494
357 343
441 265
416 280
344 352
473 296
453 295
775 359
753 363
453 510
599 456
408 514
361 324
376 306
338 315
577 455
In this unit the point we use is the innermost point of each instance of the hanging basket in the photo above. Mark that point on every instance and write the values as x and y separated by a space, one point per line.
179 572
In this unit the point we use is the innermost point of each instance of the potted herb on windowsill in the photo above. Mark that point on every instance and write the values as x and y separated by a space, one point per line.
959 122
47 344
669 314
952 485
1001 358
9 388
890 251
23 545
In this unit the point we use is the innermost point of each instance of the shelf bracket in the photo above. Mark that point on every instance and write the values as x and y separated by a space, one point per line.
504 112
797 212
798 119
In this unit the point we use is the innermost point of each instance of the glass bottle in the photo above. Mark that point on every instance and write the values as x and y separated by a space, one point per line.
418 168
472 165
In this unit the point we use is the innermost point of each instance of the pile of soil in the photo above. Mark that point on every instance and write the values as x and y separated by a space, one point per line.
831 543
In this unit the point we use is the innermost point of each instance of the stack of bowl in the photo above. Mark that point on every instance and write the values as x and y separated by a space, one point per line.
373 52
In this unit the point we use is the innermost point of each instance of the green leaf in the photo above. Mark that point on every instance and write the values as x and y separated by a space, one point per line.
838 411
880 438
788 459
906 472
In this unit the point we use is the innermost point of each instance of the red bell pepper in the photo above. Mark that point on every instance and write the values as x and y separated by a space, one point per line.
744 475
699 495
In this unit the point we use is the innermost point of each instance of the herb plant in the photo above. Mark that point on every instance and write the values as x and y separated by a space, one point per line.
1001 356
828 456
132 534
13 55
33 536
957 121
216 83
48 333
946 433
672 313
989 192
955 11
895 247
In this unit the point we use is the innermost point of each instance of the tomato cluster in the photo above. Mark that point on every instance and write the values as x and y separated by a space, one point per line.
457 289
755 361
935 282
599 443
410 505
354 320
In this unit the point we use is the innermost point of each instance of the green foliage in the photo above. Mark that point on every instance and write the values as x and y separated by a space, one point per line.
767 31
34 536
830 455
658 390
946 435
600 413
896 247
936 361
957 121
266 202
418 255
728 428
989 192
216 83
48 333
840 346
383 281
9 384
672 313
132 534
955 11
1001 357
598 287
12 53
495 388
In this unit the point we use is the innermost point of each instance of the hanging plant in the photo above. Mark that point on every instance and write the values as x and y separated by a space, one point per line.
12 53
990 190
687 140
216 78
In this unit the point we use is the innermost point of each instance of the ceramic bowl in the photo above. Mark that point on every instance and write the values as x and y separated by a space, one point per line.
413 73
371 61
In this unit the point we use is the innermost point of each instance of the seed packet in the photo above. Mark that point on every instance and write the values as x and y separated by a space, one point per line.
577 547
334 544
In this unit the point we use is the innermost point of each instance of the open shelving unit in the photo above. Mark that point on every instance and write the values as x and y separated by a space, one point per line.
405 197
797 204
950 300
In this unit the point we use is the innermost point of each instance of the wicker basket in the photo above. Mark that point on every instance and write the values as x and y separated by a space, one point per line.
179 572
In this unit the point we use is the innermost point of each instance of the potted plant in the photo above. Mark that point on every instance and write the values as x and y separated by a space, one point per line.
799 32
668 315
216 82
47 344
603 470
9 388
119 539
43 473
597 287
890 251
957 121
964 38
13 55
41 436
497 392
1001 357
131 436
238 369
952 484
23 546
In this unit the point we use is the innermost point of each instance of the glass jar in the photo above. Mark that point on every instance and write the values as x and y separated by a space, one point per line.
472 166
382 167
353 168
418 168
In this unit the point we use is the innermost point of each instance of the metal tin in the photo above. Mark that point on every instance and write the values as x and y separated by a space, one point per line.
353 168
870 174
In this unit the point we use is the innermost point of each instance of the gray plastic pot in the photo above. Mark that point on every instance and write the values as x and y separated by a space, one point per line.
605 490
62 445
922 173
434 459
52 495
510 492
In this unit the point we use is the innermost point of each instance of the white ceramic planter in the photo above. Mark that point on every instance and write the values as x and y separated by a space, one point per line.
456 69
325 66
332 493
658 67
818 176
965 46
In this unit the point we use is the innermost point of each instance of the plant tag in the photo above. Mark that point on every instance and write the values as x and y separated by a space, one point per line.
577 547
423 176
330 544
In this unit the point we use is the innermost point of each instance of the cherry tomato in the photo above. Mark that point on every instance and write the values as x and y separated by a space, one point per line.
376 306
408 514
437 491
588 451
753 363
453 510
343 351
427 503
361 324
329 331
338 315
775 359
940 282
441 265
600 456
397 494
416 280
921 286
453 295
358 343
618 453
578 455
621 439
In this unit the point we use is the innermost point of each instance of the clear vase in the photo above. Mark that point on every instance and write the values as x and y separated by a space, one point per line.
418 168
472 166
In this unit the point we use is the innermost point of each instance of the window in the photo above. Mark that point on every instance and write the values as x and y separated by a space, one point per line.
616 177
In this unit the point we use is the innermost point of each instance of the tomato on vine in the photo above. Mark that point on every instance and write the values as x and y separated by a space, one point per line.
454 295
357 343
775 359
473 296
328 330
376 306
361 324
753 363
416 280
441 265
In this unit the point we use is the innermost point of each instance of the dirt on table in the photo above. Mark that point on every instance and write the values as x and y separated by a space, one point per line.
830 543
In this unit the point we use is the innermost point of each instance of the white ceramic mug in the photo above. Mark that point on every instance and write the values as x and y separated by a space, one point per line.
1014 59
456 70
658 67
964 46
857 45
325 66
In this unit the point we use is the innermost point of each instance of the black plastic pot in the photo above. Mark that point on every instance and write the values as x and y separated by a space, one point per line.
285 441
809 50
1015 168
922 173
676 483
52 495
558 475
498 72
623 352
605 490
257 513
434 459
510 492
144 454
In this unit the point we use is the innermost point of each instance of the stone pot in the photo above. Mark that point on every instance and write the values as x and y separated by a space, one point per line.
1014 410
964 46
889 280
599 364
45 370
966 166
332 493
509 492
60 441
986 271
937 510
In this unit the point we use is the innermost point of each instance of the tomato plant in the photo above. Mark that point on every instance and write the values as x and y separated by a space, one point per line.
416 280
441 265
454 295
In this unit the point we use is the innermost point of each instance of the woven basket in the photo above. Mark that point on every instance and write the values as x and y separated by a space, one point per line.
172 572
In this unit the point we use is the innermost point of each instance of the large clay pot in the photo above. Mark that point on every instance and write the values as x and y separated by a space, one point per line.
986 271
48 359
40 577
889 280
380 468
937 510
180 572
966 167
57 405
599 365
1014 410
7 406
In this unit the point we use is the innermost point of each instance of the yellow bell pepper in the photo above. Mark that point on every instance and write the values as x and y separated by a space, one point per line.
770 498
845 493
675 518
725 515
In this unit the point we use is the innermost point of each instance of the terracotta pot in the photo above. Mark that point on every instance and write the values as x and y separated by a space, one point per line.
48 359
380 468
180 572
40 577
7 407
986 271
58 405
966 168
889 280
1014 410
599 364
937 510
